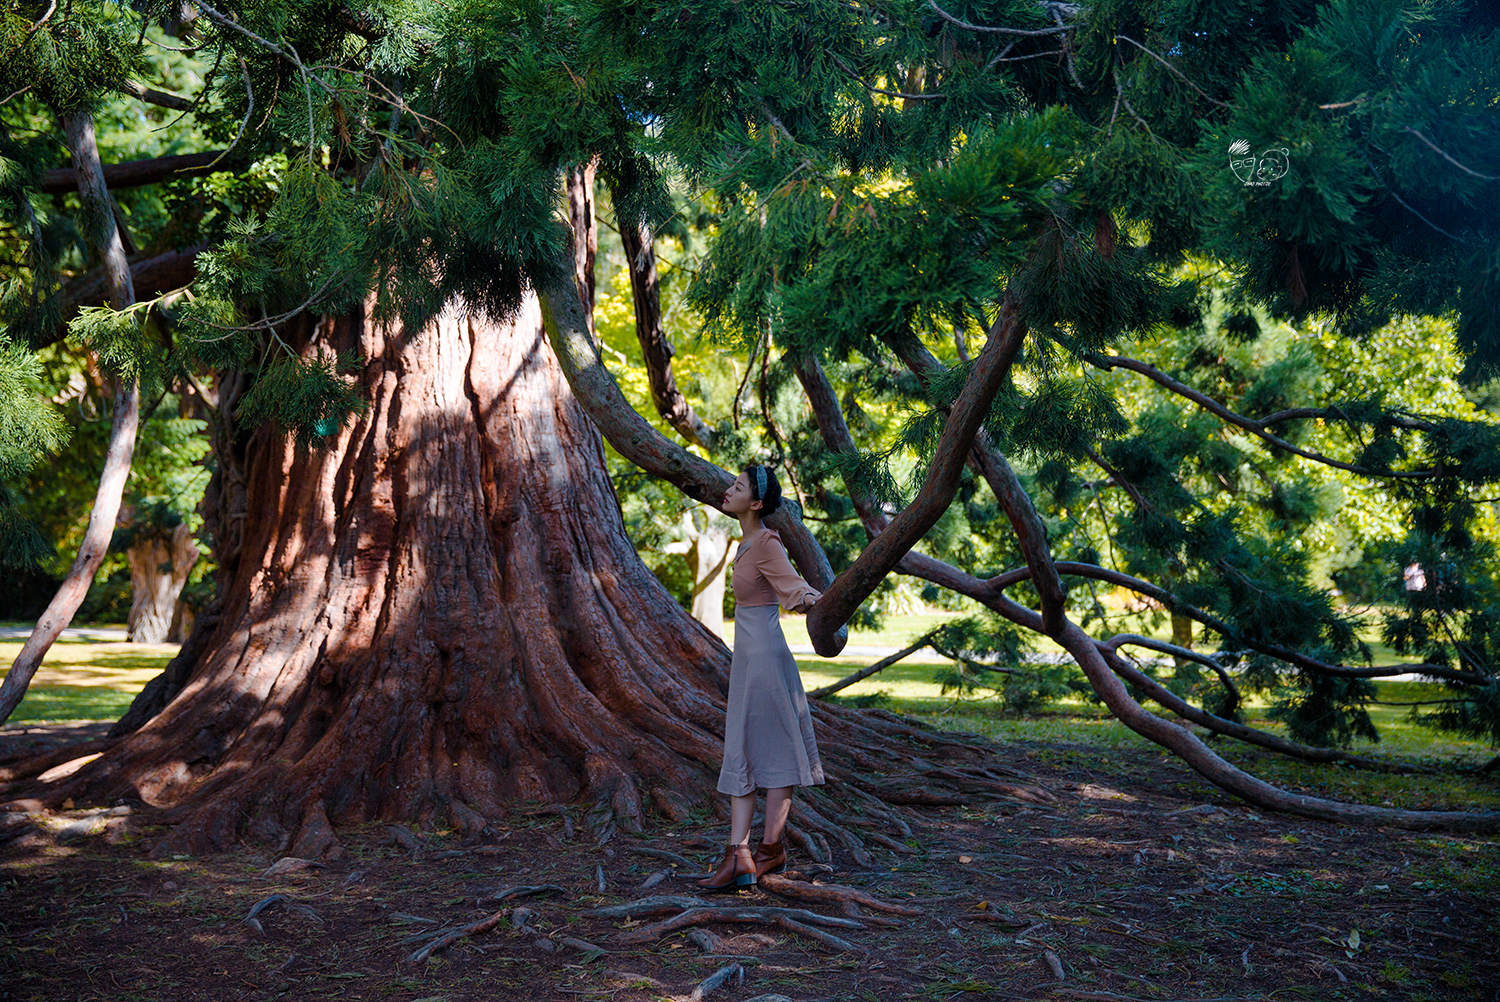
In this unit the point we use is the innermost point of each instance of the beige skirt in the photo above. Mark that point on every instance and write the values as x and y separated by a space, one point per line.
768 732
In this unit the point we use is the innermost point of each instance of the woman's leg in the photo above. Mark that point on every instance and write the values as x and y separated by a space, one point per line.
741 813
778 806
737 869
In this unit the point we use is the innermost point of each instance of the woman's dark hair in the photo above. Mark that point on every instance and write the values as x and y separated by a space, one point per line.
770 498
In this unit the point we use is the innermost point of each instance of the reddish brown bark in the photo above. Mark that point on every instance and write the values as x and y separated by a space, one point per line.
438 614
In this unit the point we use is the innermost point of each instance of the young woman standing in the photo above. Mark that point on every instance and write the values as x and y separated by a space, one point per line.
768 734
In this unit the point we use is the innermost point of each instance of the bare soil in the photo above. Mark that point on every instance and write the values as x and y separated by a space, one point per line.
1138 882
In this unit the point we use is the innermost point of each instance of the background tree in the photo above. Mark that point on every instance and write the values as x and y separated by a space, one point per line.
423 521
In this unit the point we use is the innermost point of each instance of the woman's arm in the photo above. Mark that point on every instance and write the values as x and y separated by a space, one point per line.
794 594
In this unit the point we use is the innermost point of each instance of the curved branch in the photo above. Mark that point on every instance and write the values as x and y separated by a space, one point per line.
1031 534
93 191
1204 761
984 29
656 348
1440 152
886 550
1230 728
1182 653
1291 657
1255 428
634 438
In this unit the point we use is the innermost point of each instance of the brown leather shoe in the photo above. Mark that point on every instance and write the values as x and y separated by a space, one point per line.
736 871
770 857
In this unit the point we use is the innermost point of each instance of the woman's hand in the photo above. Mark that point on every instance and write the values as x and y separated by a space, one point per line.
808 603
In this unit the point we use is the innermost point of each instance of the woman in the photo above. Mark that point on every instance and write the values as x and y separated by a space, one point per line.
768 735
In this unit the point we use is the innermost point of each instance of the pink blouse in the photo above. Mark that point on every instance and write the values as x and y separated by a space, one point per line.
764 576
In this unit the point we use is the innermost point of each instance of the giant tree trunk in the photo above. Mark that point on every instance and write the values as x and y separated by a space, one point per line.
438 614
159 567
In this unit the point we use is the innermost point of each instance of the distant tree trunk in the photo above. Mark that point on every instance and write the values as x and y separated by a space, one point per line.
159 567
709 558
439 613
99 216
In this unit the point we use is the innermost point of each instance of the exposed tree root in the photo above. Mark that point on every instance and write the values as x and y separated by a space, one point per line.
252 918
832 893
797 920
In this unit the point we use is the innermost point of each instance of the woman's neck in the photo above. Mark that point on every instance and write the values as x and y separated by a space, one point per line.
750 522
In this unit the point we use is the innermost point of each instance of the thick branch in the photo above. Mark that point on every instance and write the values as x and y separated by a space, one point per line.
886 550
160 98
1240 421
634 438
1230 728
92 190
171 270
1031 534
645 290
134 173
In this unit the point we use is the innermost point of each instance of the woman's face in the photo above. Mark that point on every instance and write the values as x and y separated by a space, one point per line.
737 499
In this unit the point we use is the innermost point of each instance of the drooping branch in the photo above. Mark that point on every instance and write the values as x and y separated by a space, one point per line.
1031 534
885 551
1098 661
656 347
1069 568
1203 760
1183 654
1254 427
135 173
94 193
634 438
1229 728
877 667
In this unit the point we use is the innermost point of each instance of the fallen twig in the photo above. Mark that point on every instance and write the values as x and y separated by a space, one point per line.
519 891
448 939
671 857
729 973
278 899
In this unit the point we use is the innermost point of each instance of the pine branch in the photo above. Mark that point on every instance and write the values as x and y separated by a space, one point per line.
1257 429
1174 70
1442 153
984 29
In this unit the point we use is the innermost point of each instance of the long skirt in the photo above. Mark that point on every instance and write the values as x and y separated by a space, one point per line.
768 733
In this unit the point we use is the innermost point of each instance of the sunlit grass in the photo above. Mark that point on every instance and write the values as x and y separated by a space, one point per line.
85 680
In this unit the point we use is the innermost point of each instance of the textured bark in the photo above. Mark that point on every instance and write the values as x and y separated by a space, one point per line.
438 614
89 175
441 614
159 566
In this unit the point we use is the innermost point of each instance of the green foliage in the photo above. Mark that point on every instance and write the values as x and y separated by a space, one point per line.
309 398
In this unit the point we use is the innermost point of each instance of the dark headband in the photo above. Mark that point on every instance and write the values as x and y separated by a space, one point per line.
760 483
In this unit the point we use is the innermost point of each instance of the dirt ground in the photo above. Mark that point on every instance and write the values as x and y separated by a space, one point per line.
1138 882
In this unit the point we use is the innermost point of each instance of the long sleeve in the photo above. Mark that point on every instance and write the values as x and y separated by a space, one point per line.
771 561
